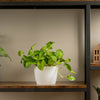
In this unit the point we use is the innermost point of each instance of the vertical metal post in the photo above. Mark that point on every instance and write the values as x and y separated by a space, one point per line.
87 51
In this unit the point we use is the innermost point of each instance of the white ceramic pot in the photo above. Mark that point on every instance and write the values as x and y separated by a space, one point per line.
46 77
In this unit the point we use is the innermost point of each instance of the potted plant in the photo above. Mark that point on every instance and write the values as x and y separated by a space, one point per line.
97 89
46 61
3 53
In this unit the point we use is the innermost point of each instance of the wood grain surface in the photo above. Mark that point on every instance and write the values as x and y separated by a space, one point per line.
95 64
33 85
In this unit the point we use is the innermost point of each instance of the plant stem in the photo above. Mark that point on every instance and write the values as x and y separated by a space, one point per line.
59 73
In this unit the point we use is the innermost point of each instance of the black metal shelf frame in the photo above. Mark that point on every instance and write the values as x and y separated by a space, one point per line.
87 51
43 90
87 6
94 67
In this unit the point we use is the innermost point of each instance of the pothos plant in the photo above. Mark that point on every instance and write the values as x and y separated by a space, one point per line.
4 54
46 57
97 89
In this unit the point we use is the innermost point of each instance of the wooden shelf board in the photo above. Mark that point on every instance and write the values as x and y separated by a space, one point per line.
94 66
33 85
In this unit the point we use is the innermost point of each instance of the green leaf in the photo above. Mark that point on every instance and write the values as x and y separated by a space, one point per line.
20 52
52 53
27 61
97 89
71 78
43 48
2 51
24 57
68 67
36 52
53 58
73 72
59 53
4 54
31 51
41 54
50 62
32 47
49 44
62 60
27 58
58 63
41 64
68 60
26 64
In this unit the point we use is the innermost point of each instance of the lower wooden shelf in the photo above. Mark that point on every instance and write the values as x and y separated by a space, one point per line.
32 87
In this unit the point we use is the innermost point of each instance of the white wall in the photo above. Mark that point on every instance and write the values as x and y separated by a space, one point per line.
19 29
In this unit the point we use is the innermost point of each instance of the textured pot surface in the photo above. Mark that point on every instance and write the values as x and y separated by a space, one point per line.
46 77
